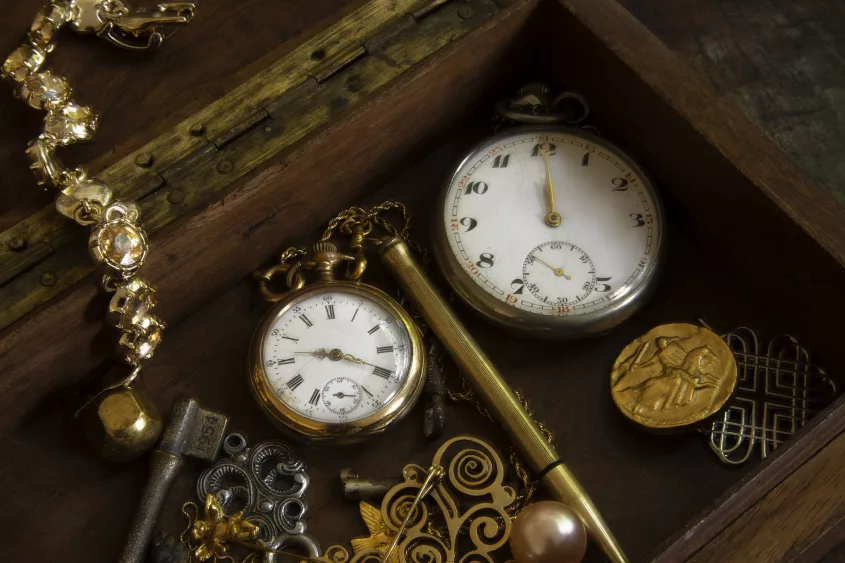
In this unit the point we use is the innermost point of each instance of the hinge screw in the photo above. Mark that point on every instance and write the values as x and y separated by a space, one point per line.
354 84
176 196
224 166
16 244
144 160
48 279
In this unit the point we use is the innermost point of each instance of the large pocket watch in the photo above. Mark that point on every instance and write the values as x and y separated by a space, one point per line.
334 360
549 229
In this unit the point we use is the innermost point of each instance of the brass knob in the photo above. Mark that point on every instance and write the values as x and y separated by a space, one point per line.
122 423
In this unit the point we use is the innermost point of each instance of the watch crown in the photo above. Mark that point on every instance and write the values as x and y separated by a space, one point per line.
324 246
540 88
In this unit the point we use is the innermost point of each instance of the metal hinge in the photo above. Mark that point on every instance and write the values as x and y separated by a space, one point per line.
428 8
353 52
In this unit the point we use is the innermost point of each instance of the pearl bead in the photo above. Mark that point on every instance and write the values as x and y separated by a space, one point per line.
548 532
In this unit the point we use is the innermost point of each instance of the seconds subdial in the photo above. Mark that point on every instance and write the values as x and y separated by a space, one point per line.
559 273
341 395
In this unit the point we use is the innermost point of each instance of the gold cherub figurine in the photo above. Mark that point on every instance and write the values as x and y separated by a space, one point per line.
212 533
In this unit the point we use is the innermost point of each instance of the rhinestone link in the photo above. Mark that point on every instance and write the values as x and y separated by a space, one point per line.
23 61
117 244
47 23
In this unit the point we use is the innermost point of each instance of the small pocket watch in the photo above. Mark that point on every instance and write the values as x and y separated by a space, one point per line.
334 360
548 229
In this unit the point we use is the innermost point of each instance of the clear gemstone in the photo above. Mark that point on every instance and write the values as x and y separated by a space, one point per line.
146 345
122 244
23 60
71 123
119 246
142 343
44 89
47 22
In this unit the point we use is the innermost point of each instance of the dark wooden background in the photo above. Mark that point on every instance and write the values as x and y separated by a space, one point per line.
780 61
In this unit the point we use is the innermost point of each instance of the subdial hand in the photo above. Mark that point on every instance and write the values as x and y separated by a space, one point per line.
558 271
553 218
341 395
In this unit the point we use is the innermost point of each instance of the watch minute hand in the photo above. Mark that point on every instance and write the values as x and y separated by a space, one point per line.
553 218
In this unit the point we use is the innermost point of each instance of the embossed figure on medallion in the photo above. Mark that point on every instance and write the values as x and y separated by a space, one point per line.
673 376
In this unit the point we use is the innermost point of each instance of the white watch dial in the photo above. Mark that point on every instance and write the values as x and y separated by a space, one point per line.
499 224
336 357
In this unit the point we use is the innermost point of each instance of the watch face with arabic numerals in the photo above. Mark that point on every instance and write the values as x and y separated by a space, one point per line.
337 358
551 230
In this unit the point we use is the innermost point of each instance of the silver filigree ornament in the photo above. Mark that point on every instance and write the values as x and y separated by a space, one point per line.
268 483
778 391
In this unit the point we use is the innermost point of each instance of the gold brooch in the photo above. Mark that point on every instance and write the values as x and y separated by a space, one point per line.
467 498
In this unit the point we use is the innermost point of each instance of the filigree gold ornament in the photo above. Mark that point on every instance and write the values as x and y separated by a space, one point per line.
462 494
123 423
674 376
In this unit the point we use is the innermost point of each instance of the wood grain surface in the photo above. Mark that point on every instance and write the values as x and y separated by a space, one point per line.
781 61
678 478
790 519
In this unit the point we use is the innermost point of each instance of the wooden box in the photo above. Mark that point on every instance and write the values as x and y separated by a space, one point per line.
379 106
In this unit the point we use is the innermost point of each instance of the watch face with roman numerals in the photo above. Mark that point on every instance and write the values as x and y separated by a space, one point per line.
550 222
336 356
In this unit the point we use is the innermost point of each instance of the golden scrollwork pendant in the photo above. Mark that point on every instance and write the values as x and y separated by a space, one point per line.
469 502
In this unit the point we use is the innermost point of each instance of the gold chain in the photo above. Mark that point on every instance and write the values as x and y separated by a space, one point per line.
367 219
529 487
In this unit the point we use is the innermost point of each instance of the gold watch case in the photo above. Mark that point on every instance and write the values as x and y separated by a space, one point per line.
302 428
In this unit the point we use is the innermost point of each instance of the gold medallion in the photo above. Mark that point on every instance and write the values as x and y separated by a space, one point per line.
675 375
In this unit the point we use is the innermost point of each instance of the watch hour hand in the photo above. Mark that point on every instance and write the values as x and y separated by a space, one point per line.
335 355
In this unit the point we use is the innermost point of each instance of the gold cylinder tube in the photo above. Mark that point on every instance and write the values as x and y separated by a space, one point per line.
494 392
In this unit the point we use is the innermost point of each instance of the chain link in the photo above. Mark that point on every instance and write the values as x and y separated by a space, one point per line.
367 219
529 487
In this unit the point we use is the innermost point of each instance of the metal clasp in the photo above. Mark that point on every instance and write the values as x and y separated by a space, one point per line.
137 30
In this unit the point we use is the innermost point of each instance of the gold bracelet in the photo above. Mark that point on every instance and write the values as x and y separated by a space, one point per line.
123 421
